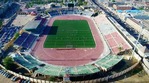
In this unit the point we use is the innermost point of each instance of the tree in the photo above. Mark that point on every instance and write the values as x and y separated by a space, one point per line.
141 8
112 0
80 2
8 63
52 78
16 35
85 3
120 48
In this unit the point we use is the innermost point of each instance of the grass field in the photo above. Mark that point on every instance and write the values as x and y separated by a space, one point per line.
69 34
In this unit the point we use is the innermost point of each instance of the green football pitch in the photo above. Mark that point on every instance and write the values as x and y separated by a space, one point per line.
69 34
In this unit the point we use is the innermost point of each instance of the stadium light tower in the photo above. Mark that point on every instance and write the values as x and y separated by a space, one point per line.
136 43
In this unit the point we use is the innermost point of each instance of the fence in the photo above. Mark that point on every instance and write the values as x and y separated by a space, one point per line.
88 81
106 79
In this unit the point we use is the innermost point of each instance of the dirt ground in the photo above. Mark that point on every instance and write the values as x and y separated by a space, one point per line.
138 75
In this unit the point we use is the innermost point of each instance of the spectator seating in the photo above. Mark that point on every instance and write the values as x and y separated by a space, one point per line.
32 59
49 70
104 63
107 62
21 39
54 13
26 40
27 61
29 41
63 11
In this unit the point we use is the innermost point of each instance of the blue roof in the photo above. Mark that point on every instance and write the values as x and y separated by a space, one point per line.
130 11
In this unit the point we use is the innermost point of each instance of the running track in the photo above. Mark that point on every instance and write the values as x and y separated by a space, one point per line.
74 57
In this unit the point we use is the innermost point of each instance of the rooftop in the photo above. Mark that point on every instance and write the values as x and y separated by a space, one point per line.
32 24
21 20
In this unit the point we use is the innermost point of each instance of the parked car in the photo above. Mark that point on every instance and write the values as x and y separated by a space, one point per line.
15 78
21 81
9 75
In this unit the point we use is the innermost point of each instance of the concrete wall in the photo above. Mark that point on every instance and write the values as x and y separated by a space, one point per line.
137 27
145 65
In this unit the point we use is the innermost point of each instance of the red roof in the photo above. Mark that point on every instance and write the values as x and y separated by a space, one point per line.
124 8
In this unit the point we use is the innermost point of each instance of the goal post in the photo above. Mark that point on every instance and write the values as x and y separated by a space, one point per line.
69 46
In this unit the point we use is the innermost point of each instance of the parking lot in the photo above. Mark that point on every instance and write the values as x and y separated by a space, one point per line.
6 77
3 79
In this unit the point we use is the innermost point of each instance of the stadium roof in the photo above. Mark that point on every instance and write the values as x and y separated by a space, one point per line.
32 24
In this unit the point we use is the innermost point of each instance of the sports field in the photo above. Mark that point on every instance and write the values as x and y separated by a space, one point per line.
69 34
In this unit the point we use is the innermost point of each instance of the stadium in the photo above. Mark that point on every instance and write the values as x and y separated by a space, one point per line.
71 41
70 46
73 46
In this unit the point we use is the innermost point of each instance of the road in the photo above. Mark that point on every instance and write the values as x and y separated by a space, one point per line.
123 24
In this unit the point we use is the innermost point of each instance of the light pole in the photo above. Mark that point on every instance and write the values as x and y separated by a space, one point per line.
136 43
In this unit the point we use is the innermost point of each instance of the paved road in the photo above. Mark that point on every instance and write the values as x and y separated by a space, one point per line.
124 25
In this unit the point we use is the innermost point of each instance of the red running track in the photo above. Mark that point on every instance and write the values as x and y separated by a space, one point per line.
74 57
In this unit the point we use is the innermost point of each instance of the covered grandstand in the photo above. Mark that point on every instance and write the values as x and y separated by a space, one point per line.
54 13
67 11
26 61
109 61
32 24
29 62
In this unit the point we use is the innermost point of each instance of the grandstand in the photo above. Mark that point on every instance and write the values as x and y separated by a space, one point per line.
111 35
102 64
25 40
23 62
26 61
32 24
67 11
54 13
29 41
36 26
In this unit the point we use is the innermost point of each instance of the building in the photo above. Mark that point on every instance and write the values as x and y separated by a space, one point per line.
141 4
32 25
122 7
3 8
